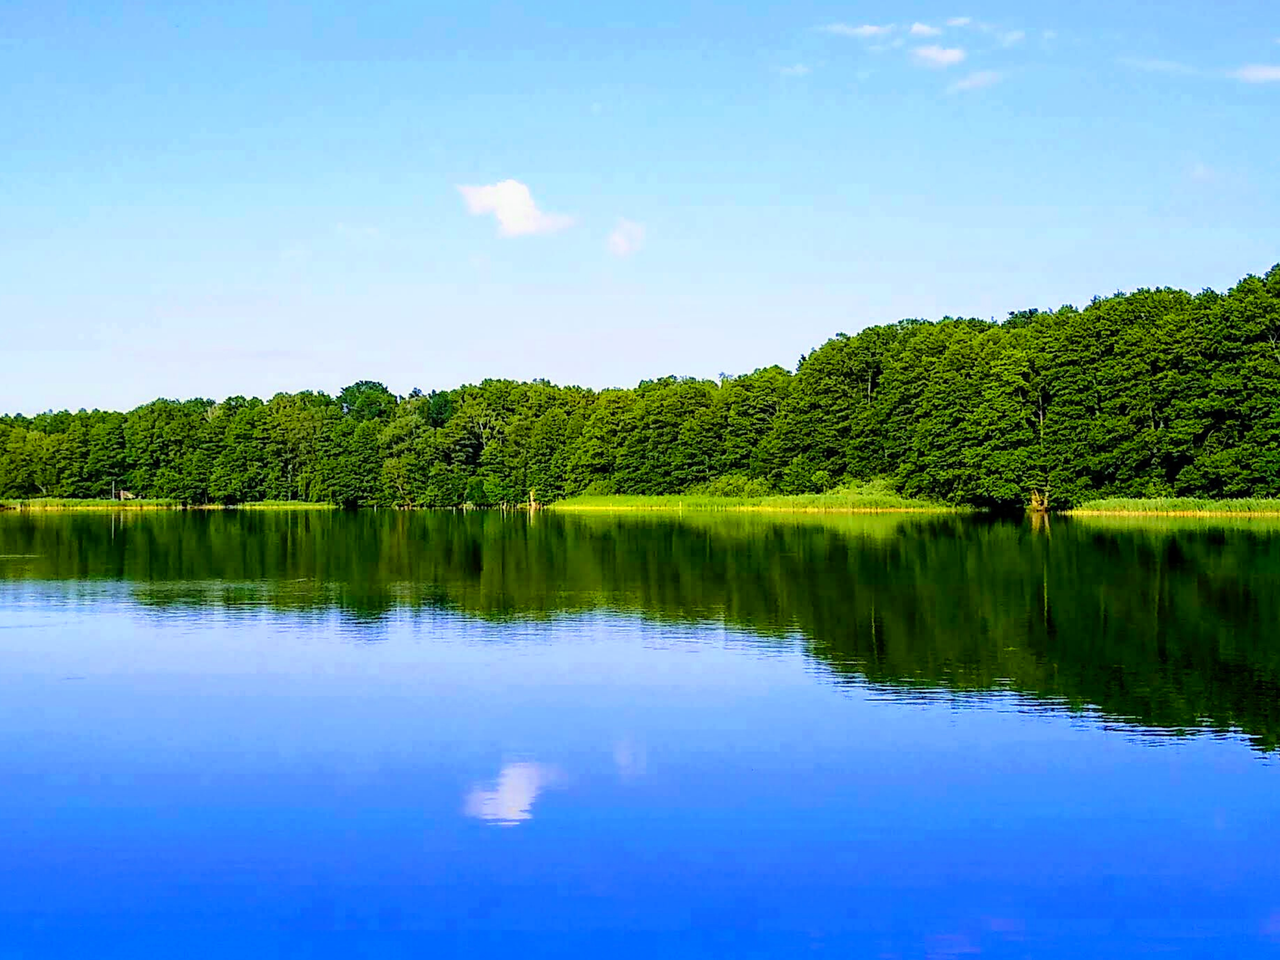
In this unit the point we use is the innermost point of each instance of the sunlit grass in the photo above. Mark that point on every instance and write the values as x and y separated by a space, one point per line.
1178 506
281 505
869 499
71 503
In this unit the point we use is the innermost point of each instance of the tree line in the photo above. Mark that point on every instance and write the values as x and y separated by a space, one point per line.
1153 393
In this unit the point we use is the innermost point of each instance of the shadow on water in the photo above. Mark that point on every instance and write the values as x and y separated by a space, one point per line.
1166 624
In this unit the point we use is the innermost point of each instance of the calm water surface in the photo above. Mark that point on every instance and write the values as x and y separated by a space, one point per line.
389 735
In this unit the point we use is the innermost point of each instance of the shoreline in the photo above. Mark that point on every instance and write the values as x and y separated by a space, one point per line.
754 508
848 502
1215 514
1237 507
86 506
781 504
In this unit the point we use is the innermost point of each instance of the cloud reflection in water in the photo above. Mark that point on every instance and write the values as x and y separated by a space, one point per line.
509 800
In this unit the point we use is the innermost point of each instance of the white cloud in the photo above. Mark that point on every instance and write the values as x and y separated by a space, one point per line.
1010 37
977 80
1148 65
959 21
864 32
627 238
936 56
1202 173
1050 34
924 30
1258 73
795 70
510 800
512 204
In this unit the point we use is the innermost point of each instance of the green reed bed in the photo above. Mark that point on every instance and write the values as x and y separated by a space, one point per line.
71 503
1178 506
837 502
280 505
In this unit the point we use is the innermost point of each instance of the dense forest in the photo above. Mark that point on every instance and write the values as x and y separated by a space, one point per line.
1153 393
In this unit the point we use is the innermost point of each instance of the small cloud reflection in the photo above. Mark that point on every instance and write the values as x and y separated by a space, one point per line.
631 759
509 800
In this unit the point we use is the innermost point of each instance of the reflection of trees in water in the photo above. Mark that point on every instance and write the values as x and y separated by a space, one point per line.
1170 626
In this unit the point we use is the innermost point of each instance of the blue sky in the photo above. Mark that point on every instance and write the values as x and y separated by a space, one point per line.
243 197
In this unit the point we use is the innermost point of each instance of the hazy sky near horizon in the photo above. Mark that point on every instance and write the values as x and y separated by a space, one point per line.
210 199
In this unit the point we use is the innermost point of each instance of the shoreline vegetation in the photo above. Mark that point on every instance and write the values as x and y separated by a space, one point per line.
53 504
674 503
1176 507
870 499
1153 401
43 504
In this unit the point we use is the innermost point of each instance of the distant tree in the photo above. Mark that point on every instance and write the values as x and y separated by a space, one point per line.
367 400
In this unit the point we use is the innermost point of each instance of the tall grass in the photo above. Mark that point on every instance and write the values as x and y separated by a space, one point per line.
1178 506
71 503
871 498
278 505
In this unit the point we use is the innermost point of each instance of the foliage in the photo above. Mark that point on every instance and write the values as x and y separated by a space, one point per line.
1154 394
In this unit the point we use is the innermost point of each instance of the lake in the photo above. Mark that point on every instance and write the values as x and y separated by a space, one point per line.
378 734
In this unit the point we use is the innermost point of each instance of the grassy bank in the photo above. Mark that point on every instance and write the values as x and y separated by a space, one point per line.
69 503
276 505
1177 507
872 498
843 501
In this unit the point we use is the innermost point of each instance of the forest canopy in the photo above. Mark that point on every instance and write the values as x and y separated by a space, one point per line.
1153 393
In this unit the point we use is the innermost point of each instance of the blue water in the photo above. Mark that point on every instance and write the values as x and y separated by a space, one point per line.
206 780
253 782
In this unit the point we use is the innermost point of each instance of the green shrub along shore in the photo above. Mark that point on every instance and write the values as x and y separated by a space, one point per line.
1157 396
